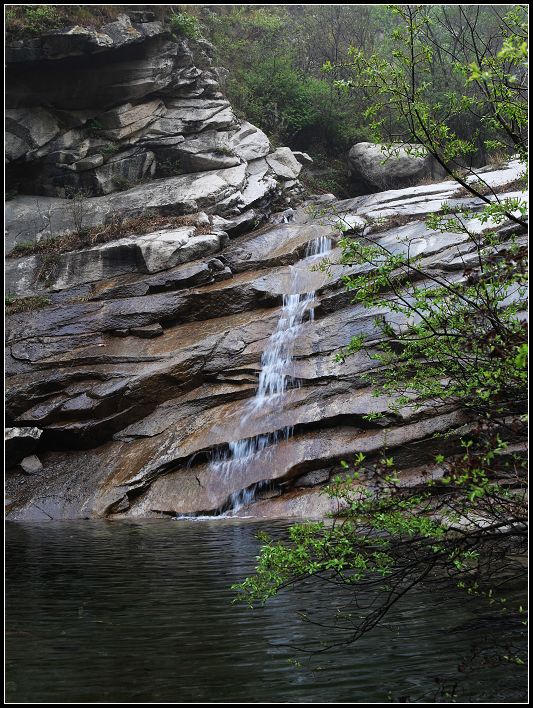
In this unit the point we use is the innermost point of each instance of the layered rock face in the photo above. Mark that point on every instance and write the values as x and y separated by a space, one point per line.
142 368
140 380
134 116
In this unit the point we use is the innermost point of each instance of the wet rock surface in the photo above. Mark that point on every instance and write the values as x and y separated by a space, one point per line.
142 366
139 382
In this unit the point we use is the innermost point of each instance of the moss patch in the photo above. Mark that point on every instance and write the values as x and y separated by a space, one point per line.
25 304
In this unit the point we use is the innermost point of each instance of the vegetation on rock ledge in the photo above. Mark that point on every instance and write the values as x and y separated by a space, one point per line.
23 20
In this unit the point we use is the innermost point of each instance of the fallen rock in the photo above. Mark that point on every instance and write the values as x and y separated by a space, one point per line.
31 464
302 157
249 143
284 164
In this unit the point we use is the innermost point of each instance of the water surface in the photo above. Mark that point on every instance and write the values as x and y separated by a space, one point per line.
142 612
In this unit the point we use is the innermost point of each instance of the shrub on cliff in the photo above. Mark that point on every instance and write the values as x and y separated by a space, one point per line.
23 20
186 25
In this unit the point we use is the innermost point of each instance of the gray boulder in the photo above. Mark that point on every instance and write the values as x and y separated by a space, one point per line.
284 164
377 168
31 464
303 158
28 129
249 143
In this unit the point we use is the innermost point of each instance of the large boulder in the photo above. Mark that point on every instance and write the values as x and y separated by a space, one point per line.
374 167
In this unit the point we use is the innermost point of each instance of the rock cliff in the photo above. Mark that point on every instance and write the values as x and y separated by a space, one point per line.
140 367
134 116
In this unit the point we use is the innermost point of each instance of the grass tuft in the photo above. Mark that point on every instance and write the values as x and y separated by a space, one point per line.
15 305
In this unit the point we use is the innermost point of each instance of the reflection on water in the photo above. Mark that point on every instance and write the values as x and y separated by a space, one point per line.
141 612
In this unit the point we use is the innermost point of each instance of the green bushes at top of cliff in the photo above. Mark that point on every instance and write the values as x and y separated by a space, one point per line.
185 24
276 81
31 20
290 67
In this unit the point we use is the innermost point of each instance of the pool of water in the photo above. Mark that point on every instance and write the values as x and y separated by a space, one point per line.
142 612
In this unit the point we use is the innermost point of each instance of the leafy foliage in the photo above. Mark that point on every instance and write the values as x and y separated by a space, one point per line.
276 79
481 102
185 24
448 339
14 305
388 537
310 75
452 338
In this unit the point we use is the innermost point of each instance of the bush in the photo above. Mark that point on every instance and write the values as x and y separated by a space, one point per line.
93 127
186 25
109 149
121 183
34 19
22 20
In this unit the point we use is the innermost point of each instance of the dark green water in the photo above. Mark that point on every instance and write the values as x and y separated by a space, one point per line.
141 612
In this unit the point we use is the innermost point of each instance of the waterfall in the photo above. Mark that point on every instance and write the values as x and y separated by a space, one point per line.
274 378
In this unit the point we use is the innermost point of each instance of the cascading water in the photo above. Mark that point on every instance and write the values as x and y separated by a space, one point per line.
274 379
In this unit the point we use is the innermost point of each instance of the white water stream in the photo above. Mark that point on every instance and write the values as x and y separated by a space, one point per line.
275 377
